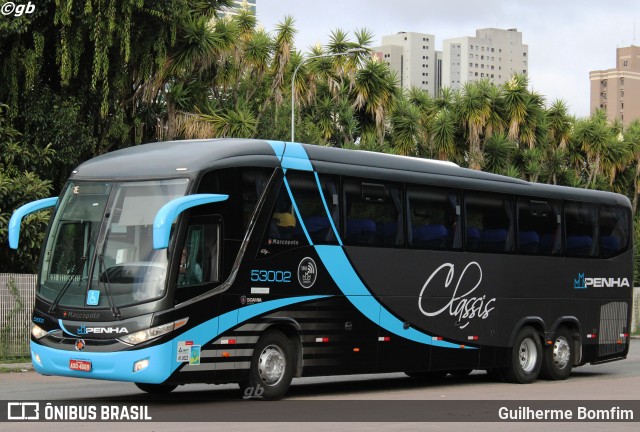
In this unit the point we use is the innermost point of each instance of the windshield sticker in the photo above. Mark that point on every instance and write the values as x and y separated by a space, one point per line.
184 351
194 357
93 298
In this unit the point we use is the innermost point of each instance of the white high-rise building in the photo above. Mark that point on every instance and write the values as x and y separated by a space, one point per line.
493 54
413 57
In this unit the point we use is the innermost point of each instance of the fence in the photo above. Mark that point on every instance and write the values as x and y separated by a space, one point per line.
17 298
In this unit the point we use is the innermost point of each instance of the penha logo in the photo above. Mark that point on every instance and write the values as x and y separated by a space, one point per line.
583 282
84 330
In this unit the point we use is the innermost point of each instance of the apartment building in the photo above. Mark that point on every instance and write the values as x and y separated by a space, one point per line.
617 91
493 54
414 59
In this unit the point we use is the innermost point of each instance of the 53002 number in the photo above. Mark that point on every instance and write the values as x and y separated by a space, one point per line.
270 276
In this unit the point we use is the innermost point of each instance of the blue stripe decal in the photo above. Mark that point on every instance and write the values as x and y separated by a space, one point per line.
278 148
335 260
291 155
326 208
64 329
295 208
118 365
295 157
340 269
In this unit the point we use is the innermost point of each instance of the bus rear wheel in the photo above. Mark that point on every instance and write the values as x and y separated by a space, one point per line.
271 369
156 388
558 358
526 357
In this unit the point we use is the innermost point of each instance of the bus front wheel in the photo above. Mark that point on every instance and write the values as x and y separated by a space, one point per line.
271 368
558 358
526 357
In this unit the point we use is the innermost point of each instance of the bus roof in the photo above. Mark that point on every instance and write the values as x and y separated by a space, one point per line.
191 158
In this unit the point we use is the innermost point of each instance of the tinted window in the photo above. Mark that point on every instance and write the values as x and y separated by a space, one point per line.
539 227
373 213
581 228
283 229
311 207
433 218
614 230
488 223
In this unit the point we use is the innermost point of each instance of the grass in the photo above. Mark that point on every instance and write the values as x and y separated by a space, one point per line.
11 360
7 363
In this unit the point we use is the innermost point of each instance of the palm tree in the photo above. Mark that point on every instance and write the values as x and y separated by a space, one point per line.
474 110
405 126
532 128
632 138
515 103
283 47
498 153
592 135
555 165
559 123
374 91
496 121
426 112
443 135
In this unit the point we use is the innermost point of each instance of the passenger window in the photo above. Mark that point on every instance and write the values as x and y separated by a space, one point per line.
373 214
581 227
614 230
539 227
306 194
433 219
283 228
488 223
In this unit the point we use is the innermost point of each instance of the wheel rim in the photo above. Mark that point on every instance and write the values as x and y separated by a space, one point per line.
528 355
271 365
561 352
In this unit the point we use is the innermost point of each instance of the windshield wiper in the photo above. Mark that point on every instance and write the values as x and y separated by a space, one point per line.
77 268
107 287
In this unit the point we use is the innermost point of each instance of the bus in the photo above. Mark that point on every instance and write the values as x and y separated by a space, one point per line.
254 262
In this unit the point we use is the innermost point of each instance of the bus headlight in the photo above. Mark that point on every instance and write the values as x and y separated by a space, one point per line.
37 332
152 333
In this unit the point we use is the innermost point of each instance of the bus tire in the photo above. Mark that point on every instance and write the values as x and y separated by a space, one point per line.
271 369
156 388
558 358
526 357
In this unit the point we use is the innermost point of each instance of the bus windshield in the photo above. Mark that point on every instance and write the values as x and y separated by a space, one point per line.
101 244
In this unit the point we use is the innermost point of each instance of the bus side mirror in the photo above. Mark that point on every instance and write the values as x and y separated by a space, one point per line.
170 211
16 218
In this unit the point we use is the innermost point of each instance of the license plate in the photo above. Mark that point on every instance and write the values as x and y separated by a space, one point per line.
80 365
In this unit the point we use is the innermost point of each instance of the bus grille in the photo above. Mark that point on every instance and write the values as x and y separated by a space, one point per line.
613 322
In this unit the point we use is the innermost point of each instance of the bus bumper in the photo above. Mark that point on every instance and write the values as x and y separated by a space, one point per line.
152 365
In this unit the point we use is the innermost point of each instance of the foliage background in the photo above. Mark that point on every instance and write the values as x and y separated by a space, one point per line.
83 77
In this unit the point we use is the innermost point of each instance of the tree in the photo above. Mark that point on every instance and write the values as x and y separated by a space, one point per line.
19 184
632 138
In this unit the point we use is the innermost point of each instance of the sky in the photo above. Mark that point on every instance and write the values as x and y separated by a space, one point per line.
566 38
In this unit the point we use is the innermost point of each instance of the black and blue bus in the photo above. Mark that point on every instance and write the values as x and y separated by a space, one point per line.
253 262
